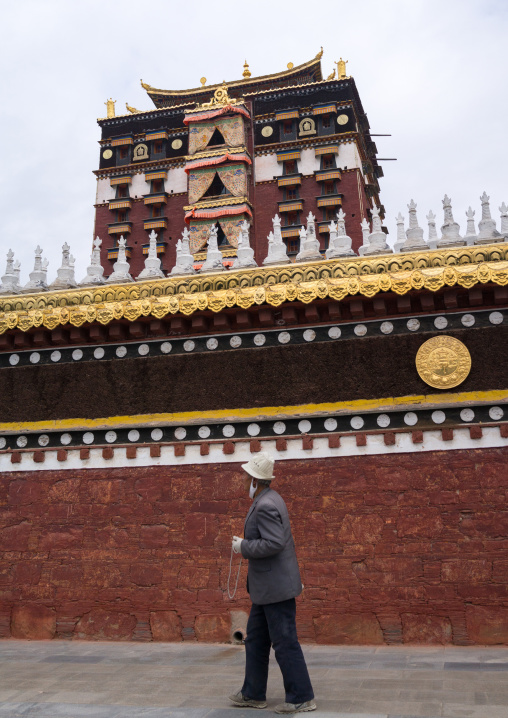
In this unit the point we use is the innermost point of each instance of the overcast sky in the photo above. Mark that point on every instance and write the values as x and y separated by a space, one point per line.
433 73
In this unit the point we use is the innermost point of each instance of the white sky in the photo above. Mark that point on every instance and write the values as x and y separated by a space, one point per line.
433 73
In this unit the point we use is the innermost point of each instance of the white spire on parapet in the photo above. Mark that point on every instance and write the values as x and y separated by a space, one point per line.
152 269
450 231
65 273
309 244
339 244
504 220
38 278
213 261
401 233
245 253
277 250
433 238
121 268
470 236
10 280
487 232
376 240
414 234
184 259
95 272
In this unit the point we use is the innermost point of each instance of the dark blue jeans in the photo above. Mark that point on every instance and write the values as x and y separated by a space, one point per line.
274 624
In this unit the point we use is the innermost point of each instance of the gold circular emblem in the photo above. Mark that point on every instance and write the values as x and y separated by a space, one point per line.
107 154
176 144
267 131
342 120
443 362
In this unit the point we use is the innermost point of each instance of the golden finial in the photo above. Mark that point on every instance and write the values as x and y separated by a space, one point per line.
145 86
331 76
110 107
246 72
290 65
203 81
319 55
341 69
132 110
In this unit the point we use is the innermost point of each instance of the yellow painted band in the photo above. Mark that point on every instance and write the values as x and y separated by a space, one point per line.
259 413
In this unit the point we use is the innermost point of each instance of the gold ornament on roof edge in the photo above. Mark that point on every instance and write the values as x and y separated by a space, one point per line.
443 362
246 72
110 107
220 97
341 69
203 81
132 110
290 65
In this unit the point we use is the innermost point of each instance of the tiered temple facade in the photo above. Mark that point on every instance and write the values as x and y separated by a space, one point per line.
376 376
286 144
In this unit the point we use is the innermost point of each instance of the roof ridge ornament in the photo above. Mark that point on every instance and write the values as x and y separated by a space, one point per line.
341 69
220 99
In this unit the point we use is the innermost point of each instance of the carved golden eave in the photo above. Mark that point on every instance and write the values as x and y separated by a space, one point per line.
297 69
306 282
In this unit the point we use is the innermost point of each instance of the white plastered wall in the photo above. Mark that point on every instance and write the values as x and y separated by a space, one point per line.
176 181
105 192
138 186
266 167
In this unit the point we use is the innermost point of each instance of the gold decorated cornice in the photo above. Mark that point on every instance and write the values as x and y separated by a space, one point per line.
206 204
305 282
216 153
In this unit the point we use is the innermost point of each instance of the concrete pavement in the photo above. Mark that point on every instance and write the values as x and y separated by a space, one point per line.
59 679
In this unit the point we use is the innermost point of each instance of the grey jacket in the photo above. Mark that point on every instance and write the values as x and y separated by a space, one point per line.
268 544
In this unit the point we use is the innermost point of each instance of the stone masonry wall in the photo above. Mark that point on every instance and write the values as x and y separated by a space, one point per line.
400 548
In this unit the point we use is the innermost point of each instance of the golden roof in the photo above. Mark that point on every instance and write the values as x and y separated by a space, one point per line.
291 72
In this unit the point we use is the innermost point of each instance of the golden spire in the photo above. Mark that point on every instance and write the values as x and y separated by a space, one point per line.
246 72
110 107
341 69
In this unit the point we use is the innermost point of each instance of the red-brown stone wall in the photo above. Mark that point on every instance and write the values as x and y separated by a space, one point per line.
139 236
268 194
407 547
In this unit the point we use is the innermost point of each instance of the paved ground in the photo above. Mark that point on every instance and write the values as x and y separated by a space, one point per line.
181 680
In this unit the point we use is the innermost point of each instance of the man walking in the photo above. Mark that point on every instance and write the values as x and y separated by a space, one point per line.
273 582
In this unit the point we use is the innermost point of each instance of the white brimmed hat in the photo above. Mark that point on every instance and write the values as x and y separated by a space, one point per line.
260 467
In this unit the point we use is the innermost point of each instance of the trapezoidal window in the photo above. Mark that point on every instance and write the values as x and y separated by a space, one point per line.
216 188
216 139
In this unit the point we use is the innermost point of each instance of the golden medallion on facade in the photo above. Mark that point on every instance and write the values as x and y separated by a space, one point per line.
443 362
107 154
267 131
342 119
176 144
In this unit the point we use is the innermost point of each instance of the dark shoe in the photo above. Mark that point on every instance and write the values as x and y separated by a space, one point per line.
296 707
240 700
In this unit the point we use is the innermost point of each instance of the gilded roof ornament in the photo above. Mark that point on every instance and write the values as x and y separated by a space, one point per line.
331 76
110 107
246 72
319 55
341 69
132 110
203 81
290 65
146 86
220 99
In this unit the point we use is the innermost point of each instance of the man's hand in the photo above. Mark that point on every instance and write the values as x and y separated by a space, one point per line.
237 544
